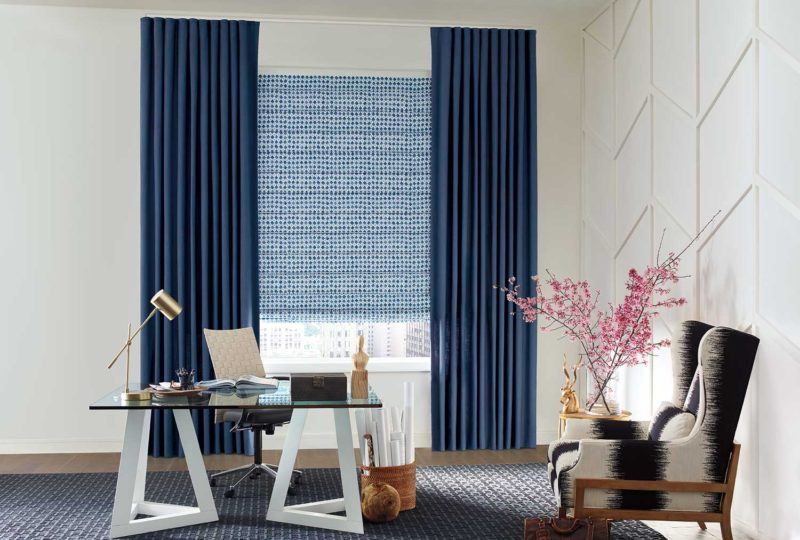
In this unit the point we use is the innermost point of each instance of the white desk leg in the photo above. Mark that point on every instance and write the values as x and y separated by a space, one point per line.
317 514
195 463
129 499
141 465
347 470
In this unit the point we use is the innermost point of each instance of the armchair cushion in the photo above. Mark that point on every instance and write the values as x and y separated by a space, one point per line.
670 423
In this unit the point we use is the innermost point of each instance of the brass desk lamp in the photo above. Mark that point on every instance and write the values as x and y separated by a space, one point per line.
170 308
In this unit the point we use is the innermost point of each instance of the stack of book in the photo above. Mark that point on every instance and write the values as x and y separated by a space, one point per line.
244 382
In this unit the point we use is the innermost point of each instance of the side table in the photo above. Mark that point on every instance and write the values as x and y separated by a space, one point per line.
583 415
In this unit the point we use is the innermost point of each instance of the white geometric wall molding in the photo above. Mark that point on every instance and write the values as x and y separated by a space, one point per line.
690 107
598 108
632 70
675 163
633 164
674 52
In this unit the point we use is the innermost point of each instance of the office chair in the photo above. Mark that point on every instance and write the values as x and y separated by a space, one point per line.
234 353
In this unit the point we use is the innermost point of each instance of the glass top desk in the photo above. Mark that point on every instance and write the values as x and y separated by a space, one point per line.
129 498
278 398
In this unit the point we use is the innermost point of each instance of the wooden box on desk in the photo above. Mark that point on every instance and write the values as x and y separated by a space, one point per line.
319 387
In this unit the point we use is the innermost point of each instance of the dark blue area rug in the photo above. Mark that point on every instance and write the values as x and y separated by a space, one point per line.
482 501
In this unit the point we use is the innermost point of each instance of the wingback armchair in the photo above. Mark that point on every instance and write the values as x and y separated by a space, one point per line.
614 469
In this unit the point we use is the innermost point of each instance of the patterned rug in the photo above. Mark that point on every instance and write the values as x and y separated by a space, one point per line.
486 501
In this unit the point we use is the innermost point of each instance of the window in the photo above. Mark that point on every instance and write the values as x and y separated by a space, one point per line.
292 340
344 215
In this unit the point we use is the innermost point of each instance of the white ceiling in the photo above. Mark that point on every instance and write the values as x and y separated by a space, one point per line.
504 13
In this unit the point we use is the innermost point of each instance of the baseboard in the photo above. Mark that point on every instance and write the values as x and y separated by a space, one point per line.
327 440
59 446
746 528
310 440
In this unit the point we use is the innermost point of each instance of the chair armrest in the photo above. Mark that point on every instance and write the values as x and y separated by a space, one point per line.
617 459
582 428
612 467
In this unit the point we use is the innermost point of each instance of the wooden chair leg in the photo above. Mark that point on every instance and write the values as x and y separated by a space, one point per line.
702 525
725 527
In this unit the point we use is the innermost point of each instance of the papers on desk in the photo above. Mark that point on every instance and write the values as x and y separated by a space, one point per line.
244 382
390 430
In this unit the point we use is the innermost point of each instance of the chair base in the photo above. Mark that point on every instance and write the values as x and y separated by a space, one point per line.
252 471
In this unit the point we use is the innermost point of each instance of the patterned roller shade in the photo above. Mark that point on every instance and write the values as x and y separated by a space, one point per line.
344 198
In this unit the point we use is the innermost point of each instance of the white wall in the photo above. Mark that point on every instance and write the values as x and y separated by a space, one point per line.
690 108
69 209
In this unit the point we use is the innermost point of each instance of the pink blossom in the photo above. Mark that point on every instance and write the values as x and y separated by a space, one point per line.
621 335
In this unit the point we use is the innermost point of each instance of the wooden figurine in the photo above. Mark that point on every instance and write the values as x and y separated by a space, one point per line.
359 383
569 399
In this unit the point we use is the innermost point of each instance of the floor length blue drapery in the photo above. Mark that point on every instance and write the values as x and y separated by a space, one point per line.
199 228
483 230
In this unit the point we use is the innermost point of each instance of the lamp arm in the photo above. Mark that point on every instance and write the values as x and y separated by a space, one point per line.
130 339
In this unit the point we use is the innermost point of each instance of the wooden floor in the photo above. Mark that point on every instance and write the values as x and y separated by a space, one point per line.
108 462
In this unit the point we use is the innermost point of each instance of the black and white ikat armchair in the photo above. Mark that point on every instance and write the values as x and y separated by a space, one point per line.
629 470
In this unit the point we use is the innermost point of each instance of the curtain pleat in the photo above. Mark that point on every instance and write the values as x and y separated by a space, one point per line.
483 230
199 233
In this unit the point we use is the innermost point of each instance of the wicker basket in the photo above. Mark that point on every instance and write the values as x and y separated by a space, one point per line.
403 478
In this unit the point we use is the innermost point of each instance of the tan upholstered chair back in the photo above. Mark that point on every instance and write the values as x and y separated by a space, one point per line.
234 353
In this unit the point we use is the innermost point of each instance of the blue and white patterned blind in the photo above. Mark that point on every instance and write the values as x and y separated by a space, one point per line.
344 198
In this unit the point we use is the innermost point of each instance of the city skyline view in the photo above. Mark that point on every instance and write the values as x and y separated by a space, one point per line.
339 340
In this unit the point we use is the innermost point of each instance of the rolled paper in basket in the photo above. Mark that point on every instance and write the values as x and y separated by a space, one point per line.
408 420
361 430
383 440
397 423
397 459
369 455
376 444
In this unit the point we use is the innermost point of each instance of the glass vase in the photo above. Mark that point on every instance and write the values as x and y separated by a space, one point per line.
601 400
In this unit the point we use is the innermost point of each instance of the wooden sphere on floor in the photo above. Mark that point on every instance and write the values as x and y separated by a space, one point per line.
380 502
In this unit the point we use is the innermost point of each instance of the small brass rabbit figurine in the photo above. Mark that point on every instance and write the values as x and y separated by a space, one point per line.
569 399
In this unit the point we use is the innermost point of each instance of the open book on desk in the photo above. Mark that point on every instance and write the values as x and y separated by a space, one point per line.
243 383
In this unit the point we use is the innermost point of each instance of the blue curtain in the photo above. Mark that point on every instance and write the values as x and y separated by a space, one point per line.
483 230
199 223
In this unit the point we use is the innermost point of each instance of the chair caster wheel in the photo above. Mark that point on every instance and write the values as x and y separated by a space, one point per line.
253 476
213 482
296 478
230 494
292 491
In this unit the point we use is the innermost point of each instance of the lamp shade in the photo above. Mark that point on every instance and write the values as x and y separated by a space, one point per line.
166 304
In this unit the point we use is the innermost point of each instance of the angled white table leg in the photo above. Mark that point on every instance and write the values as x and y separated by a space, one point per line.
129 499
317 514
